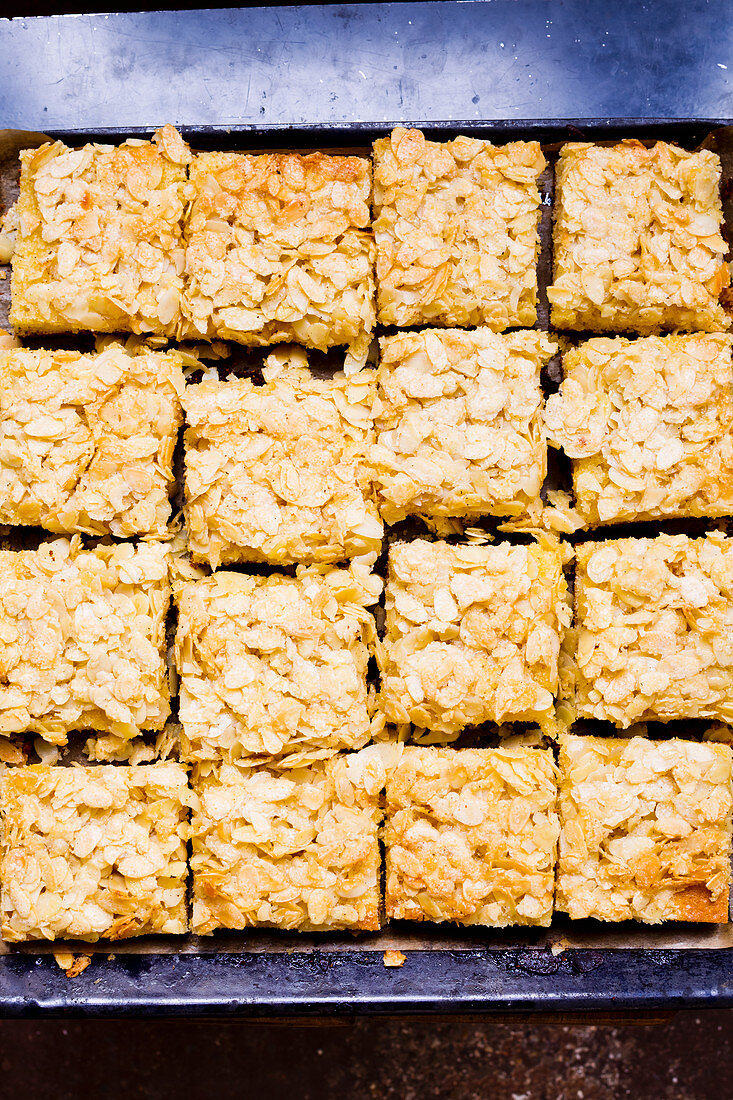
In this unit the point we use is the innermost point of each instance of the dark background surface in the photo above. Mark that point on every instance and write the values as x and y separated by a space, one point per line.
687 1058
523 59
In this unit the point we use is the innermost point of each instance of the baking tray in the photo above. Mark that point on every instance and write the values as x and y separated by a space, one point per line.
573 967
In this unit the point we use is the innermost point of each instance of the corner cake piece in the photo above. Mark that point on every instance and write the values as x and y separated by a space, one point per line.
82 639
456 231
645 829
93 853
278 473
459 423
472 634
471 836
637 241
86 441
655 629
278 249
648 425
296 850
273 669
99 244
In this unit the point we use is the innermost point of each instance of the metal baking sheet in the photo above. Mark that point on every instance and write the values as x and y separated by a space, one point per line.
572 966
312 65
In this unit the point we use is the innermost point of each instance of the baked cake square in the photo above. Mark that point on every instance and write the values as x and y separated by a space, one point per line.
459 423
472 634
471 836
82 639
99 237
645 829
456 231
648 425
278 249
637 241
654 629
93 853
296 850
273 669
278 472
86 441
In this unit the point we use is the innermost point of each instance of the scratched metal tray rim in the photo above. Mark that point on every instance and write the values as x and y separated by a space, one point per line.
309 975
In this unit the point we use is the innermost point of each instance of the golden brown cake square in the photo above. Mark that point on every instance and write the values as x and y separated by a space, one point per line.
86 441
472 634
455 225
82 639
645 829
458 419
93 853
648 426
471 836
278 248
654 620
278 473
273 669
296 850
99 237
637 240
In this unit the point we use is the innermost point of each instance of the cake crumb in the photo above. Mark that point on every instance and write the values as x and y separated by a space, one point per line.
394 958
79 965
70 964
